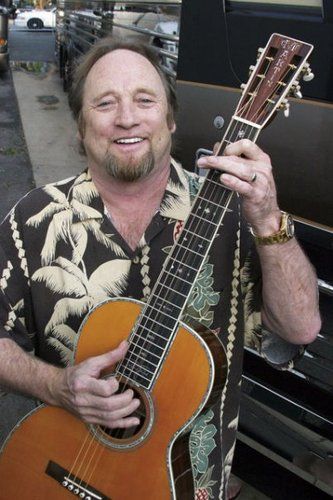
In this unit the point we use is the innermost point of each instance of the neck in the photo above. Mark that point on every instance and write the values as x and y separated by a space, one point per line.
132 205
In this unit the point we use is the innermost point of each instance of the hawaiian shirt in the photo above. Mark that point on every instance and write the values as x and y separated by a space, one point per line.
61 255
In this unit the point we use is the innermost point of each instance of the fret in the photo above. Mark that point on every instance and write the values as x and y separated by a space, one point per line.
178 277
141 368
219 184
205 220
152 342
159 310
162 285
152 334
149 318
166 303
142 357
212 203
182 263
187 231
147 350
136 377
154 317
189 249
173 283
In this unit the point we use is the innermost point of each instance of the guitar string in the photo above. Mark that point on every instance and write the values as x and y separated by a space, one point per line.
121 377
217 190
128 359
85 453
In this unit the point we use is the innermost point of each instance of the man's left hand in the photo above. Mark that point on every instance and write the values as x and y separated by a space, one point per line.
248 170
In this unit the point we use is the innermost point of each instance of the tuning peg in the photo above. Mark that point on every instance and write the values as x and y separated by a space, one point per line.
285 106
307 73
251 68
296 90
242 86
259 52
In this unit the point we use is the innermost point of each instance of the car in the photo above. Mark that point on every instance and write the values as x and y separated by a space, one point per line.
36 19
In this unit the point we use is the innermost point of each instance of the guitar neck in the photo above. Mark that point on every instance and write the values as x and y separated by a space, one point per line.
273 77
158 322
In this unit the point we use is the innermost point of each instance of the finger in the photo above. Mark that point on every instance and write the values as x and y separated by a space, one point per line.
246 148
86 387
244 188
99 363
114 418
232 165
216 147
110 403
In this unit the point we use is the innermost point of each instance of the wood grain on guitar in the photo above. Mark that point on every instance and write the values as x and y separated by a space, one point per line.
176 372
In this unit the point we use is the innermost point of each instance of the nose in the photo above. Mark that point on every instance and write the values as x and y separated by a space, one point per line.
127 115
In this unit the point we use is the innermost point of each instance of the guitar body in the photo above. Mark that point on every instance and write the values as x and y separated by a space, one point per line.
52 454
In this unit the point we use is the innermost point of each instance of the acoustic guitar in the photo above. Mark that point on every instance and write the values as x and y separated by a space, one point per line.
175 371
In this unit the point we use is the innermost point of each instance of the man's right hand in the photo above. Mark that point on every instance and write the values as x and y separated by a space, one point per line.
81 390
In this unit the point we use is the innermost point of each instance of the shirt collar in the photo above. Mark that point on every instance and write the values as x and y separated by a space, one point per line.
176 202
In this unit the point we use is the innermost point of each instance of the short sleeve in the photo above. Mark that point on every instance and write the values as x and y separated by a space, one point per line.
14 285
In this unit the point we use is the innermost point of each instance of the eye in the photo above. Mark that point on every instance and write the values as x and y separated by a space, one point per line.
107 103
145 100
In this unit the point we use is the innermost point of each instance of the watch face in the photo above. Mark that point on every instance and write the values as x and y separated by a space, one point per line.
290 229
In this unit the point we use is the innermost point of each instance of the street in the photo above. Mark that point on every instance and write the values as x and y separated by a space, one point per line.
31 45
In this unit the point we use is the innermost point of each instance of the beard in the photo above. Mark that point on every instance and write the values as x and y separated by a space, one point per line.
130 170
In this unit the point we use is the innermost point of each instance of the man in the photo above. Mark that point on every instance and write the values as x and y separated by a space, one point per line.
105 233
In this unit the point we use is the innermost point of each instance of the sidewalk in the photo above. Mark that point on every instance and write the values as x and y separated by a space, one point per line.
49 129
15 167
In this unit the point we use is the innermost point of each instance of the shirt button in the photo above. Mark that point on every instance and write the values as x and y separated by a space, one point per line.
136 260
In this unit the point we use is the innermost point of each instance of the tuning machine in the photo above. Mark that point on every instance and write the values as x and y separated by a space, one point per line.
307 73
260 51
285 107
296 90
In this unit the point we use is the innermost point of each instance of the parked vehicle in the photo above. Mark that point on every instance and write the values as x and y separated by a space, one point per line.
36 19
79 25
6 11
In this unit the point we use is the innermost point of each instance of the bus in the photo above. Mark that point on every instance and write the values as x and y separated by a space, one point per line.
285 437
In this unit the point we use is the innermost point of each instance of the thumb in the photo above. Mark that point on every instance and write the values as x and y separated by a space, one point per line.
105 362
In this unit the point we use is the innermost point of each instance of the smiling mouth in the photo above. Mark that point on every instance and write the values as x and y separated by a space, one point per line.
129 140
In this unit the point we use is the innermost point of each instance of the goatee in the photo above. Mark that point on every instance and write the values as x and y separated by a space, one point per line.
131 170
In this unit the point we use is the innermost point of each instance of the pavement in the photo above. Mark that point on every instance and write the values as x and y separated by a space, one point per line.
38 145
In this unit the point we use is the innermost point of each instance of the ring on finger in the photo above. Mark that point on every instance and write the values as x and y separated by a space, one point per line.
253 177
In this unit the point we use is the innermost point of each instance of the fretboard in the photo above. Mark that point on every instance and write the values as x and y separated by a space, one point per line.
158 322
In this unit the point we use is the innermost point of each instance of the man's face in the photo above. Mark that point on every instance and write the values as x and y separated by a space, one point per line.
125 117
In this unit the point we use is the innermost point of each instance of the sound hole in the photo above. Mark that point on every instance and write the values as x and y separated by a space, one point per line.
143 413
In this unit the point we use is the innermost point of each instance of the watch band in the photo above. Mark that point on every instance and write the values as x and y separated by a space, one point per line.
285 233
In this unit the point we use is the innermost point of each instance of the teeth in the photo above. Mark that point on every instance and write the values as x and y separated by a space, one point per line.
129 140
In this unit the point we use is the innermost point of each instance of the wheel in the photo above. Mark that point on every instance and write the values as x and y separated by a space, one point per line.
35 24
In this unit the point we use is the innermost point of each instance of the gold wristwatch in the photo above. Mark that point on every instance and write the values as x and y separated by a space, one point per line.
285 233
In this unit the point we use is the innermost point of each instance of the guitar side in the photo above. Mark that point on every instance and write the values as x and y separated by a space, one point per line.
52 445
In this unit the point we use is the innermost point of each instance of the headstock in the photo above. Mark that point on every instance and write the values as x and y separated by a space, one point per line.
273 79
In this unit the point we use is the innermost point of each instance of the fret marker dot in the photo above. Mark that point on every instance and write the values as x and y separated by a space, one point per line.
207 211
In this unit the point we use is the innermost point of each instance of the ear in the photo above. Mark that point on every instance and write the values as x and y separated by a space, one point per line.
172 127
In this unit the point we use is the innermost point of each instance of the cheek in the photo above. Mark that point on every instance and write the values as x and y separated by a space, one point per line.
98 129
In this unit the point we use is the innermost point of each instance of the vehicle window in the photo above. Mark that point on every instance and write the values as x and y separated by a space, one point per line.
311 7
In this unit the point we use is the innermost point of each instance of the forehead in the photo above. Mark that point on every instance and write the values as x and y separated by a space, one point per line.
122 71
